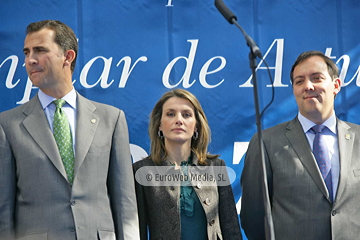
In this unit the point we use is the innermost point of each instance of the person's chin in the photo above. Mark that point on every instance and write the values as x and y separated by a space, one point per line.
179 140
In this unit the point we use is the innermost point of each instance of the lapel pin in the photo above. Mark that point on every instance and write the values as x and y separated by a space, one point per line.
347 136
93 120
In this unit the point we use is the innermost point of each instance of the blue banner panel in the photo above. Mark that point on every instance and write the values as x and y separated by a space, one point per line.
131 52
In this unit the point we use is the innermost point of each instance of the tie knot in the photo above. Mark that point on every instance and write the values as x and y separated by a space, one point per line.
318 128
59 103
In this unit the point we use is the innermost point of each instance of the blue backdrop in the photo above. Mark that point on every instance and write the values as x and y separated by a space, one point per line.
131 52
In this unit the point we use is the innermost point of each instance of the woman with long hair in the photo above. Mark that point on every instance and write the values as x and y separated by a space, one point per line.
195 209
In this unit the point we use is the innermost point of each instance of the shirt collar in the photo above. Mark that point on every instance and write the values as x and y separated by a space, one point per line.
306 124
45 99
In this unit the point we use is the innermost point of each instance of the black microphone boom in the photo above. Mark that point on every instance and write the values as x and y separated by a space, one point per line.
254 52
225 11
232 19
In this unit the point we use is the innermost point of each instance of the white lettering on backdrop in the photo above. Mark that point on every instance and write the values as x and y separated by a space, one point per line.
128 67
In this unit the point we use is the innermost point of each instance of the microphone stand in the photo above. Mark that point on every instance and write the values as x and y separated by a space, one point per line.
268 225
254 52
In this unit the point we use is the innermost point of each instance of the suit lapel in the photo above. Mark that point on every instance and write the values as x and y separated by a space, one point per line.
346 140
300 144
86 124
38 127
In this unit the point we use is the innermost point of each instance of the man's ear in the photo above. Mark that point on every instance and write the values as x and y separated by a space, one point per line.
337 85
69 57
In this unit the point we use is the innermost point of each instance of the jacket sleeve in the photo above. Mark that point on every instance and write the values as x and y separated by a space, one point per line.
252 202
7 188
229 220
141 204
121 183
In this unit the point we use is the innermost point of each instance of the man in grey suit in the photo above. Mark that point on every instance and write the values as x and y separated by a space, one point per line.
39 199
304 204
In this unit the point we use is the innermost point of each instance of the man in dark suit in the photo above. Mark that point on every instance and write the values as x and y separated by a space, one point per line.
306 201
93 197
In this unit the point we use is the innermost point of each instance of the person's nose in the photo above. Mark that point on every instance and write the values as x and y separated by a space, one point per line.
308 85
179 120
31 59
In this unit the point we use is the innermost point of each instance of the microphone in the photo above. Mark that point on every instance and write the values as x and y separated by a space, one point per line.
225 11
231 18
255 52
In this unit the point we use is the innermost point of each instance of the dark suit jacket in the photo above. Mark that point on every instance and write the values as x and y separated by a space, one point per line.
300 203
159 208
36 200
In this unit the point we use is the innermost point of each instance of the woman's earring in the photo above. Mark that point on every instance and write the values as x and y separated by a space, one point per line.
196 135
161 136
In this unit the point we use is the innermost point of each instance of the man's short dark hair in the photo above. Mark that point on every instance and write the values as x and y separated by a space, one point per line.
64 35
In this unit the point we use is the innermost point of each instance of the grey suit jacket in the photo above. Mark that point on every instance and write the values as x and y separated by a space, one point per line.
159 209
300 203
36 200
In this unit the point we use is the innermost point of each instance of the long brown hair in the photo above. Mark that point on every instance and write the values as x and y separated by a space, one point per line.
199 147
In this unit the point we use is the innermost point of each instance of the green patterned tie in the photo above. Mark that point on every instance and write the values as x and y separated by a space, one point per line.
63 138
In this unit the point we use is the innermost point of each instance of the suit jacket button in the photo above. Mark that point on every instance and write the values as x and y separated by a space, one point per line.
212 222
199 185
72 229
207 201
333 212
172 188
72 202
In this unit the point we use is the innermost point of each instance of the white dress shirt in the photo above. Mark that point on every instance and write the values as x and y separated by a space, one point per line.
69 109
